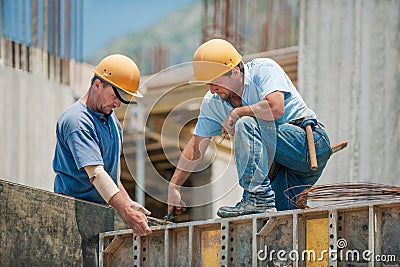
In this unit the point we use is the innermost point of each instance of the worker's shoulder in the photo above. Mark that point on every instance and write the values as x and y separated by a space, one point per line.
211 98
263 67
76 117
262 62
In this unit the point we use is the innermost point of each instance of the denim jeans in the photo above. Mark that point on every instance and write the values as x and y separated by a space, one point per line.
257 143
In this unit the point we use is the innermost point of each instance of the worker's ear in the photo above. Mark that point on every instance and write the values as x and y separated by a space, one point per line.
236 71
97 84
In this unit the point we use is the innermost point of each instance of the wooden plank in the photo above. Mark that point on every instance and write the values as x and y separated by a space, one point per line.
114 245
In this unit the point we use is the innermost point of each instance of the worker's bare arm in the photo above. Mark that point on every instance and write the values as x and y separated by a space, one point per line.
268 109
188 161
118 199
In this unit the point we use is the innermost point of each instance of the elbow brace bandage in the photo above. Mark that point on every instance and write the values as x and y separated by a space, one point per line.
102 182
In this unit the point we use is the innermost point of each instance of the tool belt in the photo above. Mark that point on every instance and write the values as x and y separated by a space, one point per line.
273 171
302 122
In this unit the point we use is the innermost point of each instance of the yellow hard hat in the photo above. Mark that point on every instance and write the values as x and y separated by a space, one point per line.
213 59
122 74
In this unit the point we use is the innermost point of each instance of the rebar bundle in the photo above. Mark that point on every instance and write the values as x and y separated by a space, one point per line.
343 193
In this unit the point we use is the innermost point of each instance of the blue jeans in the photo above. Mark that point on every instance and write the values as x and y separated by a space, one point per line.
257 143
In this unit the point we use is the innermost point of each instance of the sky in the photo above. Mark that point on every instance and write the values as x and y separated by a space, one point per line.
105 20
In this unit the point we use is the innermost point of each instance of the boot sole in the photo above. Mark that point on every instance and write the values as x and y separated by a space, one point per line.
227 214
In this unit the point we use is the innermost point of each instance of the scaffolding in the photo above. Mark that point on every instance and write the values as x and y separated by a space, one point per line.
252 26
43 37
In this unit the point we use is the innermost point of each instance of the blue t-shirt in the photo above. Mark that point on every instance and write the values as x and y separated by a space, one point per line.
262 77
85 138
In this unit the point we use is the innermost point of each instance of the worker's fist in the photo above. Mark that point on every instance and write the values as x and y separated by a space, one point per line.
175 199
229 123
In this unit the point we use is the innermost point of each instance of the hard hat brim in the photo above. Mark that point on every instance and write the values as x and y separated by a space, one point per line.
126 97
205 71
194 81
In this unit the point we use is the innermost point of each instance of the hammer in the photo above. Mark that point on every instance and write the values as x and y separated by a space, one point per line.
311 147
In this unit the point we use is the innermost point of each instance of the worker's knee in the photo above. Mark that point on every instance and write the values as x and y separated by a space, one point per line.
245 123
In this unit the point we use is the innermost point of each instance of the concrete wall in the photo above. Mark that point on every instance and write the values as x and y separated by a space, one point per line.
349 73
229 193
29 108
39 228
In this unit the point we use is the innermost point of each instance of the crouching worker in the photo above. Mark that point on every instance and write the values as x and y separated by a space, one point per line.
258 105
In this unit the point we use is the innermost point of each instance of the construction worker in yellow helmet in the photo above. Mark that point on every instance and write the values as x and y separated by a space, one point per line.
89 142
258 105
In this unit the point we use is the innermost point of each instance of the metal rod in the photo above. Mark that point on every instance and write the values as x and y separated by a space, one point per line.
140 156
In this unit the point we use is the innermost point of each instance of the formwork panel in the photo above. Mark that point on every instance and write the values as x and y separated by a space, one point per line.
316 242
117 250
388 240
178 247
240 239
41 228
273 247
276 239
153 250
352 237
207 245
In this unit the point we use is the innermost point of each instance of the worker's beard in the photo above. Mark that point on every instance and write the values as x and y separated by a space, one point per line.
106 109
223 96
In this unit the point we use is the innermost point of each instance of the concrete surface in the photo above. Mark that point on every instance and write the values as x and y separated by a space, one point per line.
29 107
40 228
349 69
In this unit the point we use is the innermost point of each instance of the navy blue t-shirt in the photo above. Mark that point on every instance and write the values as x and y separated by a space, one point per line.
85 138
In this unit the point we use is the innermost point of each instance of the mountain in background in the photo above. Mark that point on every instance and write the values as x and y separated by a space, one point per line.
177 36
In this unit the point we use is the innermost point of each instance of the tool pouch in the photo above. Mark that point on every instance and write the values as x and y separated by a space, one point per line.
273 171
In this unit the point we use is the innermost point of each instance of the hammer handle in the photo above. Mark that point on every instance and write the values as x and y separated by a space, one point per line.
311 148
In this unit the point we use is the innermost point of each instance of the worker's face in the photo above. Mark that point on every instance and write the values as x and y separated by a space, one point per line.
107 100
220 86
225 86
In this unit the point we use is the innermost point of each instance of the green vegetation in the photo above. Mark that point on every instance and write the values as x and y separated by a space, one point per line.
178 34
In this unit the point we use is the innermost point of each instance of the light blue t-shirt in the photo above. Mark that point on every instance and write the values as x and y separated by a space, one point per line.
85 138
262 77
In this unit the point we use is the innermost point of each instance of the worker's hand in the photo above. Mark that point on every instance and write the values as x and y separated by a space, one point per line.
139 207
228 125
137 221
175 199
131 212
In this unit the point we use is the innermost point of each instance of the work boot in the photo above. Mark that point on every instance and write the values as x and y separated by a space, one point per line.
243 208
